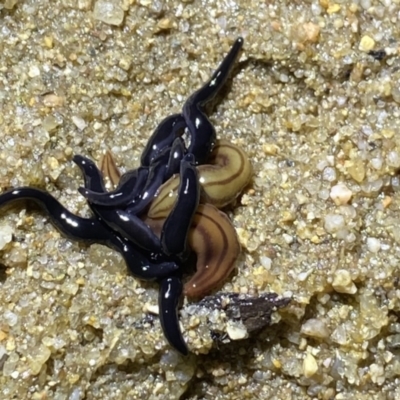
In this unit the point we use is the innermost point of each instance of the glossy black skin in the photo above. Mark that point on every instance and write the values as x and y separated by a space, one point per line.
157 176
170 287
176 226
144 239
117 223
201 131
168 300
91 230
163 137
131 183
138 182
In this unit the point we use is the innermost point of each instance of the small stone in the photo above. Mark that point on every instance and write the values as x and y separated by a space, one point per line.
329 174
9 4
340 194
393 159
37 357
334 8
151 308
10 318
15 375
48 41
310 366
79 122
315 328
270 149
54 169
70 287
266 262
342 282
125 63
373 244
357 170
34 71
3 336
236 331
333 222
6 233
308 32
18 257
388 133
50 123
287 238
387 201
52 100
108 12
243 236
377 373
165 24
366 44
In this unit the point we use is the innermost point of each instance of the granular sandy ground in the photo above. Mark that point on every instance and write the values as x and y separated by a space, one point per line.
314 101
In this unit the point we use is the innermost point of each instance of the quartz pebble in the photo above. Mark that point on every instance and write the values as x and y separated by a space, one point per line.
334 222
373 244
310 366
34 71
109 12
315 328
6 233
366 43
37 357
342 282
151 308
79 122
340 194
236 330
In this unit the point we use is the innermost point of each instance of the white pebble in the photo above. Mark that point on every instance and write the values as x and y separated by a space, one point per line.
34 71
15 375
310 366
340 194
373 244
6 233
109 12
333 222
287 238
365 4
342 282
79 122
315 328
376 163
10 318
393 159
151 308
329 174
266 262
236 331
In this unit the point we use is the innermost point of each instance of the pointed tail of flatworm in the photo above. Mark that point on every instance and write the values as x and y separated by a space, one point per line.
219 77
74 227
201 130
170 294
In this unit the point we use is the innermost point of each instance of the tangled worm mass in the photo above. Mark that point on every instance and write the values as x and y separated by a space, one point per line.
168 208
